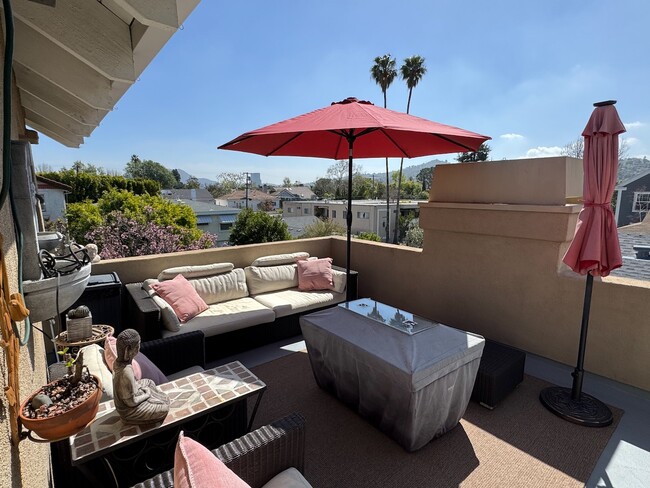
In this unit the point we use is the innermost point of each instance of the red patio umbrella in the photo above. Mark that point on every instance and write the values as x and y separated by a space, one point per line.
594 251
353 128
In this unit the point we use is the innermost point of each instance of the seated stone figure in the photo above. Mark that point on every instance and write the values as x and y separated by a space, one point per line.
136 401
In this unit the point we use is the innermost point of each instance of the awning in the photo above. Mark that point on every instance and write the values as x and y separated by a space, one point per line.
203 219
227 219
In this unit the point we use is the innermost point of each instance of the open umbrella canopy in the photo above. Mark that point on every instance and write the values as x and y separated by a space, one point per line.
376 131
353 128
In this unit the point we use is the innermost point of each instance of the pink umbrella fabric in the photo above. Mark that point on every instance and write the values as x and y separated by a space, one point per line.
595 248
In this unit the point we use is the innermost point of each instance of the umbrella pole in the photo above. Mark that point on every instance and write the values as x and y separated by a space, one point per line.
578 373
348 295
571 403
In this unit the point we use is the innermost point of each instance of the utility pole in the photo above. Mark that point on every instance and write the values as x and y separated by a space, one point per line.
248 181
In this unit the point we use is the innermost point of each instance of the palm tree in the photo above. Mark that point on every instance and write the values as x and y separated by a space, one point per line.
384 72
412 71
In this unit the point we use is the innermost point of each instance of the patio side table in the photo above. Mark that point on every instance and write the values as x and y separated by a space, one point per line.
210 407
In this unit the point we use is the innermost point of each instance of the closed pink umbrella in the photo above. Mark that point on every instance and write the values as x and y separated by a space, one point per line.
594 251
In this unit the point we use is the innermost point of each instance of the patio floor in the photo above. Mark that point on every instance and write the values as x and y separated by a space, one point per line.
625 462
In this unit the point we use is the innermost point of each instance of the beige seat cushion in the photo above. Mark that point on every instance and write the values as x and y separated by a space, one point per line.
289 478
287 302
225 317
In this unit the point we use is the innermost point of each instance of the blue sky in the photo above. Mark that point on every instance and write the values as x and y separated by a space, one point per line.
524 73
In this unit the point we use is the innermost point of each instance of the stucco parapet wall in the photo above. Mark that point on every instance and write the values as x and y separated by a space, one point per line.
554 223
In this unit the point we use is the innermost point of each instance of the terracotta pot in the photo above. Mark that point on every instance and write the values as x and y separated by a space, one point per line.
67 424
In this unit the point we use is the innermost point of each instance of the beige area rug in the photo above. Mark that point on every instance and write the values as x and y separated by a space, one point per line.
518 444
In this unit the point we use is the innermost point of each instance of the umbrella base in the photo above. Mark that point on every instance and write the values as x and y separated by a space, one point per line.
587 410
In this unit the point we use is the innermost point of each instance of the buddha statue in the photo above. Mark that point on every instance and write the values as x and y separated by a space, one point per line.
136 401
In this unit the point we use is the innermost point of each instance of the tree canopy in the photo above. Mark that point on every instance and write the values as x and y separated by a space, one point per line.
482 154
84 217
253 227
150 170
90 186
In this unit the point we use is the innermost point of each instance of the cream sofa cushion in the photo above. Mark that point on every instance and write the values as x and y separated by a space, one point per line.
225 317
94 360
263 279
196 271
339 279
221 287
288 302
276 259
289 478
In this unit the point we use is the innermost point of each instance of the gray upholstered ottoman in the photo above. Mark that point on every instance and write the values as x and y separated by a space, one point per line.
500 371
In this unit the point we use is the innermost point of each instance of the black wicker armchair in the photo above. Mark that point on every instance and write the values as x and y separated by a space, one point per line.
257 456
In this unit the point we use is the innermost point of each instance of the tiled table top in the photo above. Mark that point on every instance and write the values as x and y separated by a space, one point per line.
190 396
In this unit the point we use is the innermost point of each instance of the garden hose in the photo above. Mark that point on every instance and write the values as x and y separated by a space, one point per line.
6 161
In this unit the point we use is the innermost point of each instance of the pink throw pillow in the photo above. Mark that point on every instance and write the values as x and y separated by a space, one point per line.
315 274
196 467
182 297
110 355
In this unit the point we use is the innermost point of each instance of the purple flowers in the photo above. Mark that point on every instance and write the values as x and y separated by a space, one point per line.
121 237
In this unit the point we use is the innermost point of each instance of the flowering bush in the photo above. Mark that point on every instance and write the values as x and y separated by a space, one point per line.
120 236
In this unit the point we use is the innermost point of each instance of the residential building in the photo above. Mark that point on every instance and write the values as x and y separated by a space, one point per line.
53 195
257 200
367 215
212 218
632 199
194 194
290 194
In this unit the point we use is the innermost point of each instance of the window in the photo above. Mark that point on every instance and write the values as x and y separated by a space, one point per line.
363 215
333 214
306 211
226 226
289 209
345 214
641 201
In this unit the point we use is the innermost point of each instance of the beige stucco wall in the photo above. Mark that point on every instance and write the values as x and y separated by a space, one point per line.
25 465
493 269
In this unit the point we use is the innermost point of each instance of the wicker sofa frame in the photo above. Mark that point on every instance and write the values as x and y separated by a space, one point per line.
257 456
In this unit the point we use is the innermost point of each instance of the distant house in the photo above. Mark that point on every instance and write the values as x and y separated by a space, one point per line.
53 198
633 199
216 219
196 195
367 216
257 200
294 193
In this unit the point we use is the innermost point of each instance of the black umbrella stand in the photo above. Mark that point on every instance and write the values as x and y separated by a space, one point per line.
571 403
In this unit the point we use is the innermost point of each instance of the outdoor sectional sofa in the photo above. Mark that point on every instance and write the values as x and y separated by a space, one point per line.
248 307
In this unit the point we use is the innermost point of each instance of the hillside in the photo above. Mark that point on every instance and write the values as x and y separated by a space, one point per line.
186 176
631 167
408 171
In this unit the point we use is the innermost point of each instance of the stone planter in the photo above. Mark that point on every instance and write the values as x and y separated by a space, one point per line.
79 329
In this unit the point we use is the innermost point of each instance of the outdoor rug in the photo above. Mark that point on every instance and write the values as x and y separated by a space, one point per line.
518 444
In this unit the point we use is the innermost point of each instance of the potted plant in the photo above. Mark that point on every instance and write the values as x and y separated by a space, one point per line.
64 406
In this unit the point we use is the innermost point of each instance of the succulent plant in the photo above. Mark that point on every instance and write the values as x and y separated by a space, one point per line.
80 312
